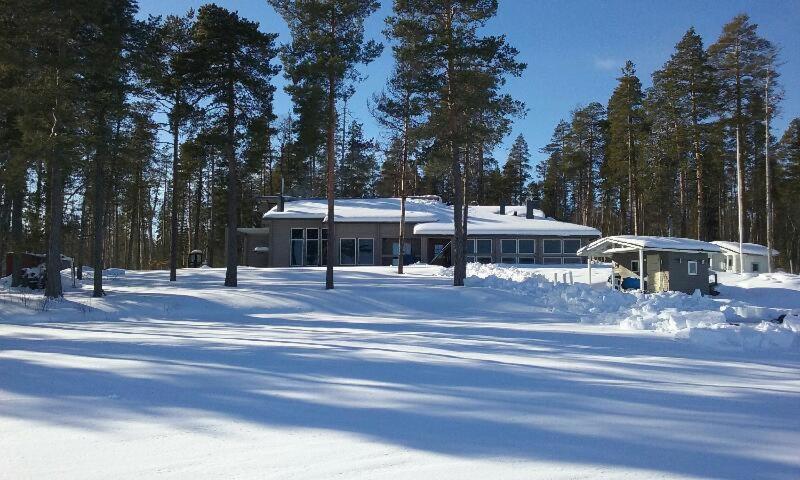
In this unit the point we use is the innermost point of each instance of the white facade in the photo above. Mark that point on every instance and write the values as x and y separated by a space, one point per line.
754 255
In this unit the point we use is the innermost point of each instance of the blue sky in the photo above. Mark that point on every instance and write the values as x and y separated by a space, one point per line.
574 50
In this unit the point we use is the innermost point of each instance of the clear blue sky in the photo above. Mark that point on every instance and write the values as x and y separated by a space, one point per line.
574 49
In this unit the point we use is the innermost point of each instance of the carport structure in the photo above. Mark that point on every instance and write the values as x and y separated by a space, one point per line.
668 263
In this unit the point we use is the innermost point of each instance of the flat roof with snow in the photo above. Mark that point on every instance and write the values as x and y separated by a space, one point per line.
431 216
747 248
624 243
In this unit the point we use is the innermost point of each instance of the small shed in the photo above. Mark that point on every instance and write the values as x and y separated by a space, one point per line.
753 254
659 263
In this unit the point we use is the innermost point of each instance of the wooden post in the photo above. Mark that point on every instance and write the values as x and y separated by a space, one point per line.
589 264
641 270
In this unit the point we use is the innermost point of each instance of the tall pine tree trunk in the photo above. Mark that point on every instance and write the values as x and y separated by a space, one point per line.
231 257
53 288
173 241
98 216
404 160
768 174
330 170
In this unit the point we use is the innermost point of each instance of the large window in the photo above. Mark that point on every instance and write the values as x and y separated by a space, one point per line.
479 250
312 246
527 247
517 251
551 246
366 254
347 251
390 251
571 245
324 256
296 254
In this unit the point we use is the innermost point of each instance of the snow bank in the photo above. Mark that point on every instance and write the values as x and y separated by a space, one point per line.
693 318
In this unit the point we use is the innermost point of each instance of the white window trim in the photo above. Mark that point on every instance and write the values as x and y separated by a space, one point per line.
689 267
560 248
358 251
355 253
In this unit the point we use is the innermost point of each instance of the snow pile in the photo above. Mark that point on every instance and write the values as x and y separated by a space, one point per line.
694 318
109 273
578 298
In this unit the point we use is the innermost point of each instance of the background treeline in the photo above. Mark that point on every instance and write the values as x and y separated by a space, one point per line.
130 142
664 160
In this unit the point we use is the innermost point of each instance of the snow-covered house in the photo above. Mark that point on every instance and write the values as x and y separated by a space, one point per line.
664 263
755 257
367 233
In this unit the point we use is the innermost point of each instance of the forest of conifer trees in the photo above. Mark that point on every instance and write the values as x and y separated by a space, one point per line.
129 141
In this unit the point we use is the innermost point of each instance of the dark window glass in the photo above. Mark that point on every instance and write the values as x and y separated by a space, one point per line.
552 246
508 246
324 258
471 260
484 259
470 246
527 246
324 233
755 267
571 245
312 233
508 260
296 259
551 260
484 246
312 252
527 260
297 234
347 251
577 260
365 255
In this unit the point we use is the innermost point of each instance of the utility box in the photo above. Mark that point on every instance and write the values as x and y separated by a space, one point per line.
196 258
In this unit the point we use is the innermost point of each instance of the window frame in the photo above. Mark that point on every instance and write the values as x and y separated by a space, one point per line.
635 269
533 242
689 264
358 251
560 246
514 241
483 254
355 251
564 245
302 242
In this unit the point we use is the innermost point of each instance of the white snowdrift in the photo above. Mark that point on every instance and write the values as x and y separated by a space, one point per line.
693 318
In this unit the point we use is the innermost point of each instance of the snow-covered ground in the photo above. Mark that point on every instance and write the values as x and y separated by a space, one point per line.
391 377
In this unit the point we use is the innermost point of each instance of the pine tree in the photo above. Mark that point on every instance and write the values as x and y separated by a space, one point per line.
232 61
358 169
626 125
516 171
740 57
165 69
327 45
461 74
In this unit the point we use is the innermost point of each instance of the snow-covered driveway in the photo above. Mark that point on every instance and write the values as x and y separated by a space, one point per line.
384 377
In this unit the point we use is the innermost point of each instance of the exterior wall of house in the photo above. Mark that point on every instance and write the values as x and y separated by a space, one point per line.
422 247
679 278
667 270
728 261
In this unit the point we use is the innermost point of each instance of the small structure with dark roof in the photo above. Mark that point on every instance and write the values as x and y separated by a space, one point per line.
659 264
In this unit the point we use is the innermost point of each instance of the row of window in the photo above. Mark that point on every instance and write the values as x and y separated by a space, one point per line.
309 247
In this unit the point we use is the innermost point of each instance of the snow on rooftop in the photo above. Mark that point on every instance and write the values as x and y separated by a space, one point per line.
648 242
431 216
355 210
747 248
486 220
